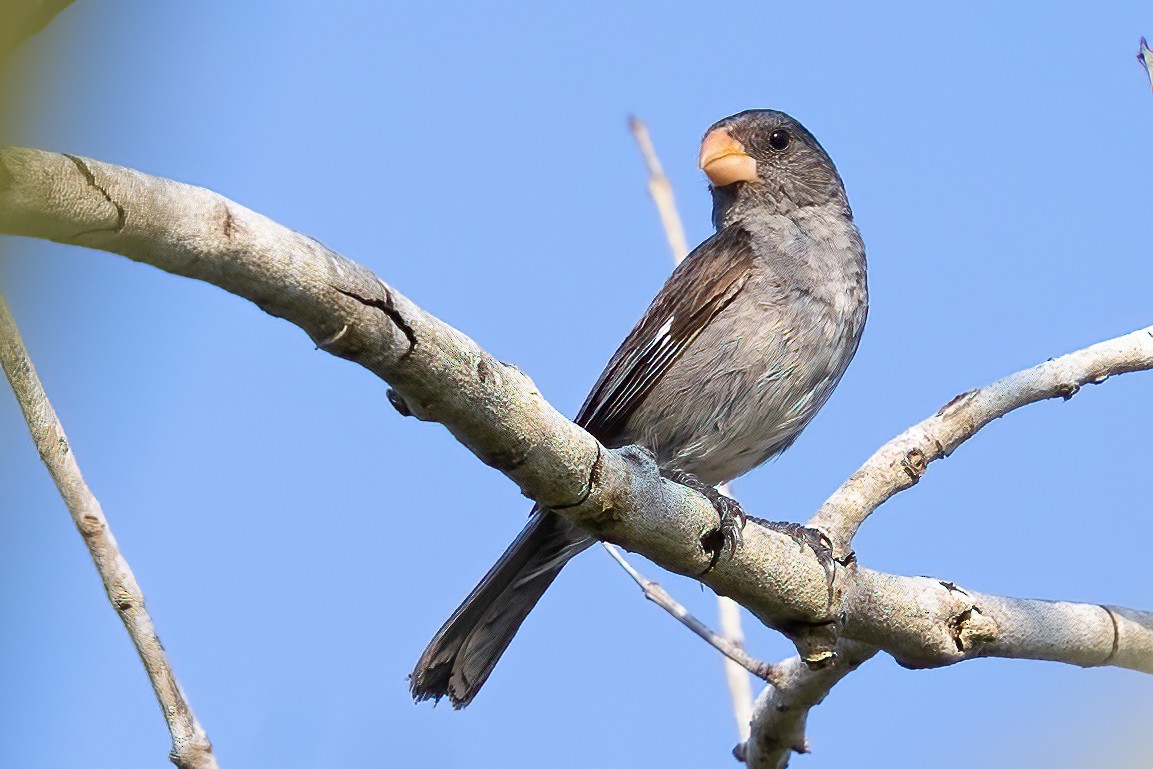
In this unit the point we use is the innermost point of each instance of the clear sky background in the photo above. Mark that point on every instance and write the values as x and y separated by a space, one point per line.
299 542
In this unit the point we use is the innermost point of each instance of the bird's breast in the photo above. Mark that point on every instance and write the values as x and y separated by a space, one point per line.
751 381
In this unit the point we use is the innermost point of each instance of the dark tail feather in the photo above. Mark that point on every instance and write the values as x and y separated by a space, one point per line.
460 657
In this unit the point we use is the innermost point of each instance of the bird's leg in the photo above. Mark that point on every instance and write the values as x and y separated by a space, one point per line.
729 510
804 536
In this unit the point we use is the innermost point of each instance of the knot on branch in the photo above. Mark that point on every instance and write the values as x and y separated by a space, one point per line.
914 464
971 629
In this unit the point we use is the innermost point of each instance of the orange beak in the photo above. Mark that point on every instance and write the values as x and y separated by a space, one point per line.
724 161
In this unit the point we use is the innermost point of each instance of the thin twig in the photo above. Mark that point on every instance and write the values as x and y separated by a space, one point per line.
658 595
901 462
740 690
190 746
661 191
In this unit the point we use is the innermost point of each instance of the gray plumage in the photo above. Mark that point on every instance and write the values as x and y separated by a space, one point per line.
736 354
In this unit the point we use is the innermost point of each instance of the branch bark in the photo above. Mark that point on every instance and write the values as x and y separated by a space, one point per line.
437 372
933 622
440 374
190 746
901 462
781 711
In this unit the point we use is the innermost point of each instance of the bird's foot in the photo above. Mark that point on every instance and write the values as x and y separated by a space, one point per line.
727 536
814 539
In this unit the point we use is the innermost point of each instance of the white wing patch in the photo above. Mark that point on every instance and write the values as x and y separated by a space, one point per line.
663 331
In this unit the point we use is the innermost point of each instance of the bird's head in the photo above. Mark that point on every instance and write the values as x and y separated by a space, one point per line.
764 160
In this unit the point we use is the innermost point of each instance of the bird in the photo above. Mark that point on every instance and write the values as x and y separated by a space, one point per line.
733 358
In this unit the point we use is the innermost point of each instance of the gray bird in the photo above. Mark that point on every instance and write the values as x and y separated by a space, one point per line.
735 355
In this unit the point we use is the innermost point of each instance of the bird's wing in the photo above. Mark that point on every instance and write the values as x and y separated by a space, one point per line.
703 285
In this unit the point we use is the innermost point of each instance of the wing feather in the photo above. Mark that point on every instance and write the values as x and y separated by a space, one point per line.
706 282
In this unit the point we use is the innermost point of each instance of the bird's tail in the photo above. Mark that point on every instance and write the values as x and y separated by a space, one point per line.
460 657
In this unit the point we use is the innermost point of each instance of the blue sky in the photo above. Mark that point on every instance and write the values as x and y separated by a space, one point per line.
298 542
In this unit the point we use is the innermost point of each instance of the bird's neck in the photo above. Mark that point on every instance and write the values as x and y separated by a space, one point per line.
739 202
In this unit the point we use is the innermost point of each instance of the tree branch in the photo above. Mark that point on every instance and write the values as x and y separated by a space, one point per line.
440 374
932 622
658 595
190 746
740 690
781 711
901 462
661 191
437 372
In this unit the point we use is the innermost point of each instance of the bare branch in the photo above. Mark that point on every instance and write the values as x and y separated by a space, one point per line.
658 595
190 746
901 462
782 709
440 374
932 622
661 191
437 373
740 690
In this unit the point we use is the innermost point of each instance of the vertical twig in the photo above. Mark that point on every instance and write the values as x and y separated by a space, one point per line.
661 191
190 746
740 690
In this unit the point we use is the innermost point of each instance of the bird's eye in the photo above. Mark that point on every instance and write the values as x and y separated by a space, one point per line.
779 139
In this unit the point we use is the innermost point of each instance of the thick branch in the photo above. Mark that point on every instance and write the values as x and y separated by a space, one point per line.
931 622
492 408
901 462
437 372
190 746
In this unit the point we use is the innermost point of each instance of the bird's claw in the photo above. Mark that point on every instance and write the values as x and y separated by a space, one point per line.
732 522
814 539
726 538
